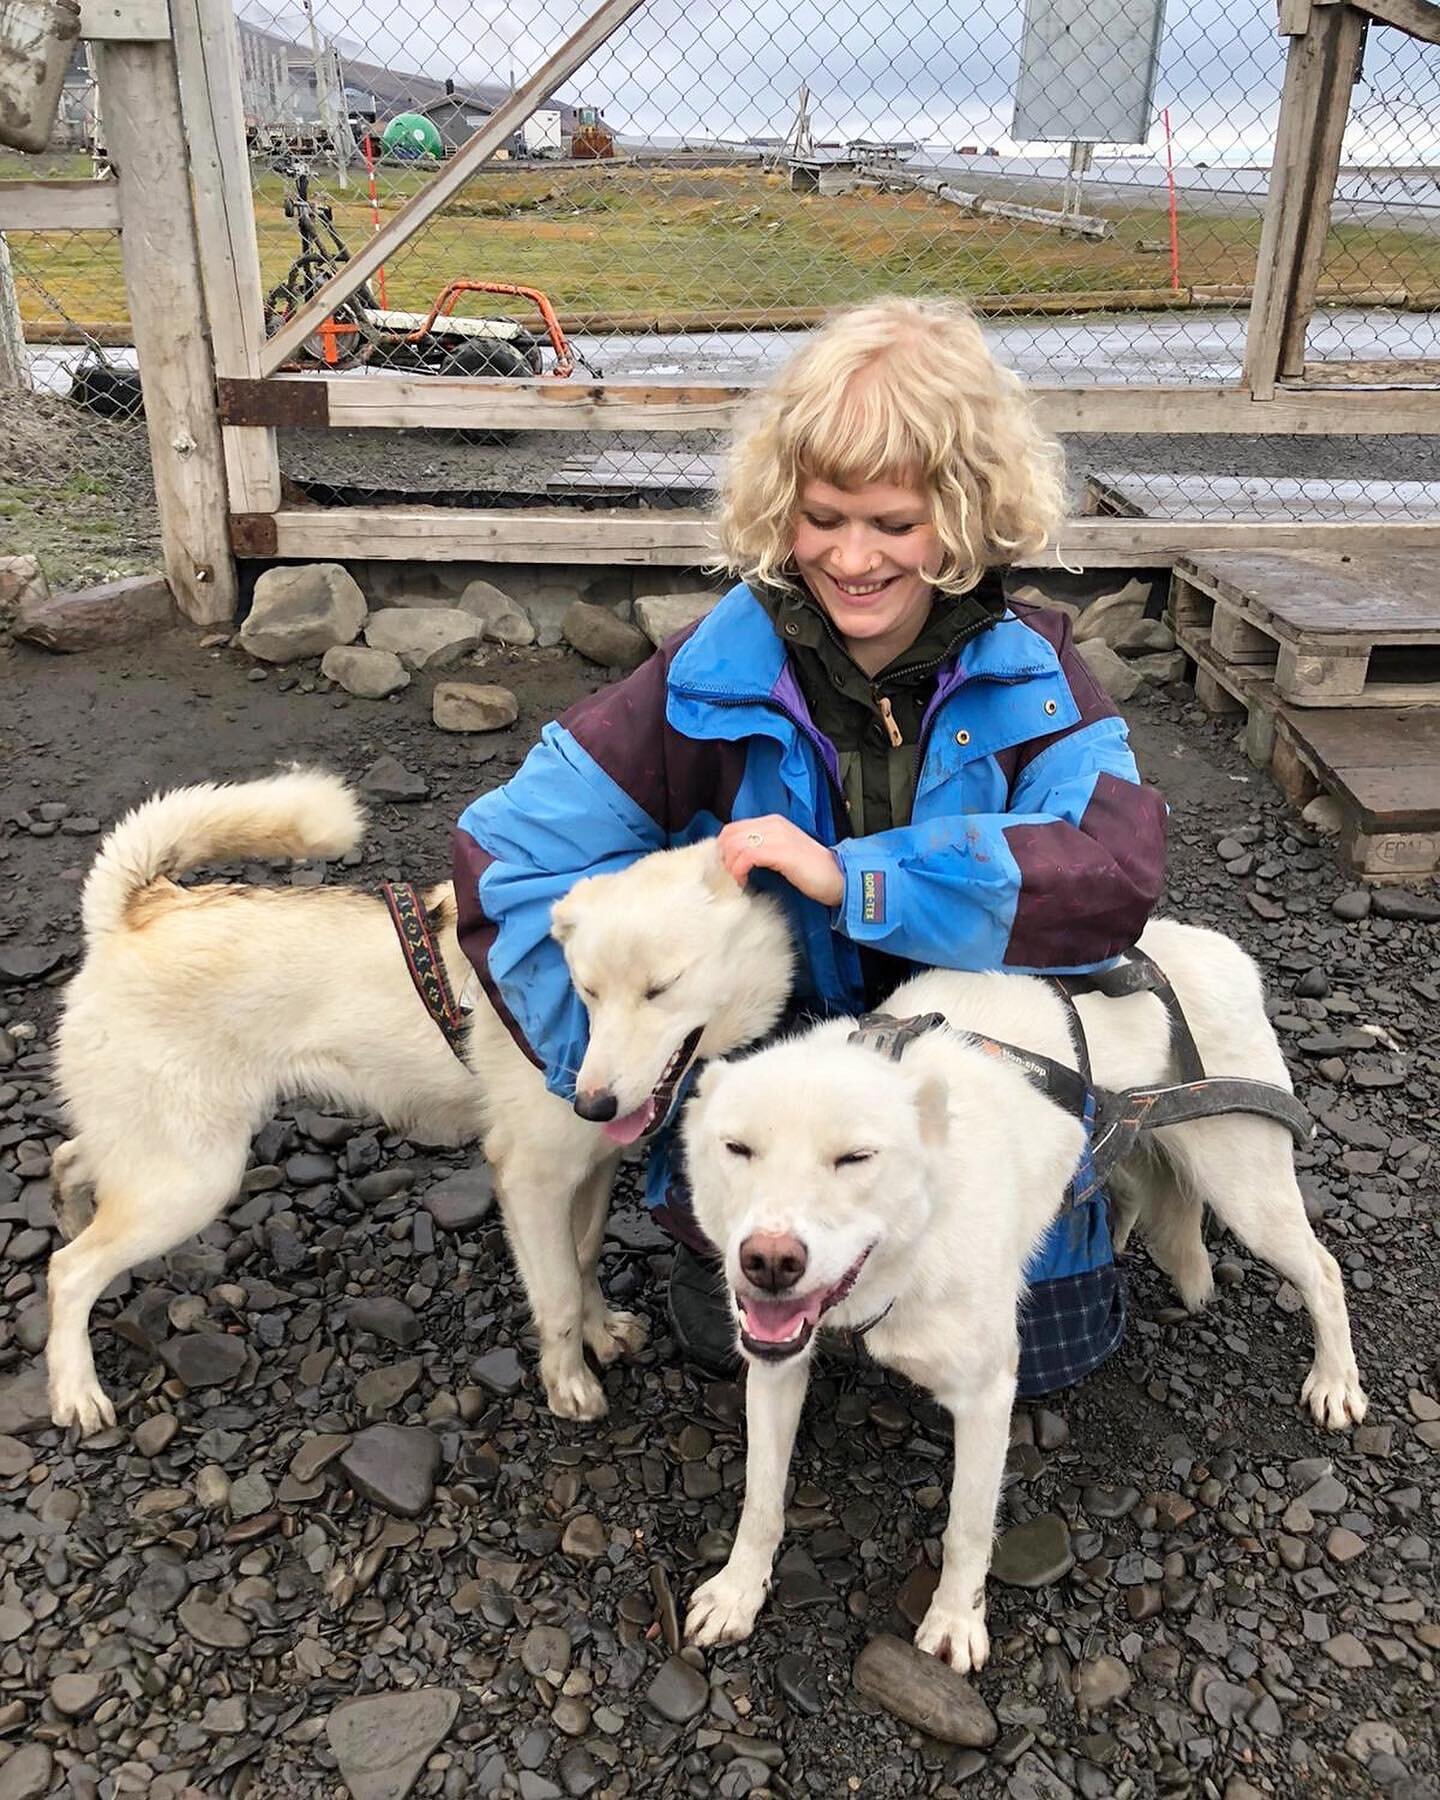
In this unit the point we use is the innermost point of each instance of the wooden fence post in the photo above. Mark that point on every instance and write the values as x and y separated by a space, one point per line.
207 54
1314 108
14 366
145 138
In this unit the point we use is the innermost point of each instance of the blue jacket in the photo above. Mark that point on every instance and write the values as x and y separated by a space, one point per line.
1031 845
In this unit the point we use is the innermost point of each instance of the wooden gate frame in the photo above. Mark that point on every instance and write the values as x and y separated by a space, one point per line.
1279 395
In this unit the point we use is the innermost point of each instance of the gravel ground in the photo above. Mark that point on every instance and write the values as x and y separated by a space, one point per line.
337 1545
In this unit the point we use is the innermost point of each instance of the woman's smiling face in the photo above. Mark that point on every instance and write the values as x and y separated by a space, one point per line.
862 552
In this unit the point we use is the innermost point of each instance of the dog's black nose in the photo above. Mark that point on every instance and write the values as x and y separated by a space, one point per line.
598 1107
773 1260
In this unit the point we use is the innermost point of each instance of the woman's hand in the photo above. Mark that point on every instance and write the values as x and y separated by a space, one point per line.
774 843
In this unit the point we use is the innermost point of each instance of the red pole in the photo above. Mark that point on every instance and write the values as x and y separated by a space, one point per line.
1174 211
374 207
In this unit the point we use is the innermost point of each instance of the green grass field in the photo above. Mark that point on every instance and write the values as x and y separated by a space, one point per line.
619 239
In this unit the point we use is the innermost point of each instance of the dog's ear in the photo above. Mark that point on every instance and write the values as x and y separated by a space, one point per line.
718 880
932 1104
563 915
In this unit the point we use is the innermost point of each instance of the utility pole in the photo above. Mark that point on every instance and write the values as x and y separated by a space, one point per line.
322 96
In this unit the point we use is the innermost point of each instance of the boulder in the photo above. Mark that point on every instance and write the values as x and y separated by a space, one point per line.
302 611
1028 594
1146 637
660 616
473 706
424 637
368 674
21 580
602 638
1165 666
1119 678
116 612
1111 616
503 620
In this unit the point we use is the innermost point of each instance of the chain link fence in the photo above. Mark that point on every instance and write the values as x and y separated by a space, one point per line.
75 482
716 178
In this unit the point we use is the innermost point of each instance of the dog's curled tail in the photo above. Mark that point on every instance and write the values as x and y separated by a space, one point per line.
304 812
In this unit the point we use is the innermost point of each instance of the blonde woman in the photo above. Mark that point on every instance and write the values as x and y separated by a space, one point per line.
927 776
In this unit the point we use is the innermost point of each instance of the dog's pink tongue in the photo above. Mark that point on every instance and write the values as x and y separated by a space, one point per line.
630 1127
775 1321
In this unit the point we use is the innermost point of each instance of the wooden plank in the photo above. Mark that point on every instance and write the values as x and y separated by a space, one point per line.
497 130
1373 599
1339 32
1294 18
140 94
399 402
1416 18
1397 371
682 537
14 363
125 21
59 205
1238 641
207 52
1313 107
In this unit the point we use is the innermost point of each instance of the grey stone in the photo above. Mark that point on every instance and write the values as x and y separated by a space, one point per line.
924 1692
301 612
1353 904
660 616
367 674
546 1650
153 1434
21 578
498 1369
1395 903
1146 637
116 612
1099 1682
1120 680
26 1776
424 637
212 1626
1325 815
205 1358
381 1389
29 962
602 638
383 1741
1113 615
251 1495
503 620
678 1692
461 1201
473 706
395 1466
389 779
1165 668
1034 1554
76 1695
385 1317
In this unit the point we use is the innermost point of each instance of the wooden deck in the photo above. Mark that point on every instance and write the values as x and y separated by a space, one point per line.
1245 620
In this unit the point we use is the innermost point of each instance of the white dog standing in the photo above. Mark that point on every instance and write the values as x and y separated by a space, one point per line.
844 1188
198 1008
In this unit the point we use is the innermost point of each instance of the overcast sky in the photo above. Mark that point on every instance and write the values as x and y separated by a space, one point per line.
941 70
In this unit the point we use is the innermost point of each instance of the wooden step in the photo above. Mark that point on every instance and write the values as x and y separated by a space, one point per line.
1332 631
1382 766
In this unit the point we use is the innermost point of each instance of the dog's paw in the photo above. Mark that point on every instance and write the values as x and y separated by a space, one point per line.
573 1392
613 1334
725 1609
81 1403
954 1635
1335 1397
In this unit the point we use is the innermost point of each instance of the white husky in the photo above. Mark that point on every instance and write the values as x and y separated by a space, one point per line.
843 1187
198 1008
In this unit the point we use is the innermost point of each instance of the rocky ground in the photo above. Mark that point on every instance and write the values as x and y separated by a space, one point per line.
336 1544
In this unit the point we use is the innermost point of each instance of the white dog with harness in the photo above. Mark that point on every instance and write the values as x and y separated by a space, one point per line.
902 1194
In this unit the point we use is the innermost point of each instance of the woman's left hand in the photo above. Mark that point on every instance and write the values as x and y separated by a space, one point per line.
774 843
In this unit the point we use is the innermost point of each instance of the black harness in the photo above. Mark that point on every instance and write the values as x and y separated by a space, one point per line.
1114 1119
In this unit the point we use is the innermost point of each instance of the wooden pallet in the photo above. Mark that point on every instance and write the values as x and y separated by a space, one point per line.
1330 630
1383 767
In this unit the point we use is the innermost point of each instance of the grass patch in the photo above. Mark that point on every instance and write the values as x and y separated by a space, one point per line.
622 239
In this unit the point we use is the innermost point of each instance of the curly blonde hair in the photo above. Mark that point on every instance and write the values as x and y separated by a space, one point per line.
902 391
